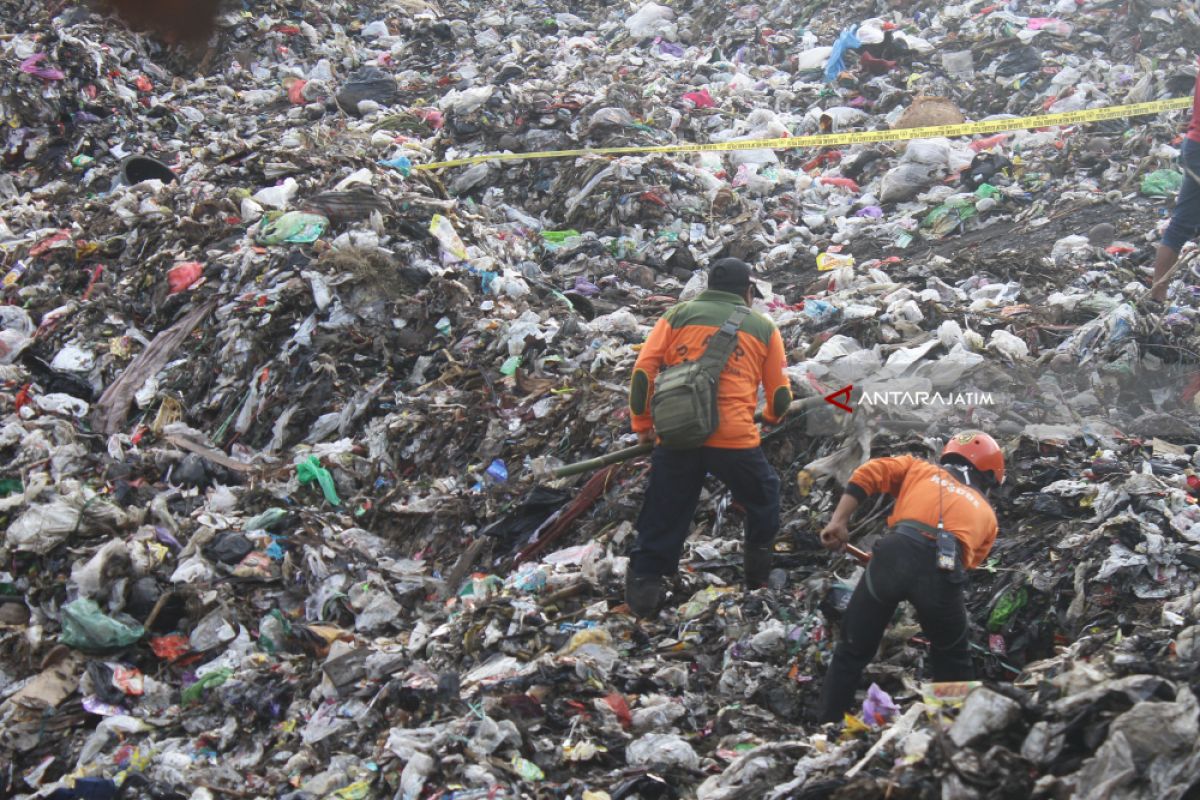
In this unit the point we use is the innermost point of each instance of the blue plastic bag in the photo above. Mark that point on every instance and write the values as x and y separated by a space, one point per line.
837 59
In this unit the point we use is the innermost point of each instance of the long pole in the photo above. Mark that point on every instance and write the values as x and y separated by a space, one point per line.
804 405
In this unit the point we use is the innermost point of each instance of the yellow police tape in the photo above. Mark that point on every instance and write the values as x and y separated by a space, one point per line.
855 137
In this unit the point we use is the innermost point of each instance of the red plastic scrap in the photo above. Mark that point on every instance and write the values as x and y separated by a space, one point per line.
23 397
129 680
45 244
97 271
877 66
979 145
578 707
1191 390
701 99
651 197
827 157
617 703
295 91
170 648
183 276
843 183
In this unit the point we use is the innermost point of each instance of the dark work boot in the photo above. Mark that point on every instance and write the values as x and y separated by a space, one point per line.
643 594
756 565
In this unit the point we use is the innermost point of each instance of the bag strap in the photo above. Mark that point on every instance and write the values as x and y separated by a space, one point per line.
720 347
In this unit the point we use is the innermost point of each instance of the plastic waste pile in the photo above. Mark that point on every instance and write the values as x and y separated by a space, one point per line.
281 410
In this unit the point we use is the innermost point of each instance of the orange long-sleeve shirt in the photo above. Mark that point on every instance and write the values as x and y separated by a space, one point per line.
919 487
682 334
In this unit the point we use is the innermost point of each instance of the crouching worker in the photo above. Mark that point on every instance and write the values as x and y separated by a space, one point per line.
694 390
941 526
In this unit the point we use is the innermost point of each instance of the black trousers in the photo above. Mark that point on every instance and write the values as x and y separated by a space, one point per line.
676 478
900 569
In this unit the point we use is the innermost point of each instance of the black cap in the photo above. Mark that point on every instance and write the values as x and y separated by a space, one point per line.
729 275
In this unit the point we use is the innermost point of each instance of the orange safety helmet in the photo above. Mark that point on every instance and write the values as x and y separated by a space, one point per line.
980 451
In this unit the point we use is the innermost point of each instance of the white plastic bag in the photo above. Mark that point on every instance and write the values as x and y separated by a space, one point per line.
1008 345
652 20
15 329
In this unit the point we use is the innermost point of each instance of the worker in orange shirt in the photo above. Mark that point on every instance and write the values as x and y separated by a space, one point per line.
941 526
732 453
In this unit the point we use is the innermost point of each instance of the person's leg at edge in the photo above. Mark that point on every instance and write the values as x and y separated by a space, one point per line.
943 618
755 485
866 619
1164 259
676 477
1185 221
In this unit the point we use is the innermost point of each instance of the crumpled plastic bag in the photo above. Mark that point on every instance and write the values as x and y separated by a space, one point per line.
905 182
32 66
652 20
295 227
1008 345
16 330
878 708
662 750
1162 183
41 528
94 577
837 57
311 470
367 83
85 627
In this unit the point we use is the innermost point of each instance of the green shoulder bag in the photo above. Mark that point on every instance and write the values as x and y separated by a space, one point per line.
684 405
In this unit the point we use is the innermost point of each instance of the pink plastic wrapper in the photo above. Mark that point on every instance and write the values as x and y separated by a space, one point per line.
182 276
702 99
878 708
30 67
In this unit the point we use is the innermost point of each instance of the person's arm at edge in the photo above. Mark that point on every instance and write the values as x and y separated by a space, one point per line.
641 383
877 476
776 386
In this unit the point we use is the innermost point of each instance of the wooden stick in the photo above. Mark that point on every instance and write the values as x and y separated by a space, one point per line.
158 607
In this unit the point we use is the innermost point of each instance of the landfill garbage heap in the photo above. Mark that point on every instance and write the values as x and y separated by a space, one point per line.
281 409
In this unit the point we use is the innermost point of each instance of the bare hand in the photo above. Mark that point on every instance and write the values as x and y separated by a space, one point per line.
646 437
835 535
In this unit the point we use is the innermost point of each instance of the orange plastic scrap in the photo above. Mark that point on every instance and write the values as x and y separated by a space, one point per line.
170 648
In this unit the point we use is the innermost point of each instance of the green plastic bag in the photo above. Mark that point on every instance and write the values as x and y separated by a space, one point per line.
296 227
210 681
311 470
1162 183
527 769
558 237
1007 607
265 520
85 627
